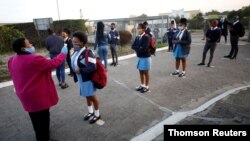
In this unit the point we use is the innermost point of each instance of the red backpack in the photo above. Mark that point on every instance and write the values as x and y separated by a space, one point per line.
99 76
152 45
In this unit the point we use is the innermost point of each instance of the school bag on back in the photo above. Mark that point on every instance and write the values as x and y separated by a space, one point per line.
152 45
99 76
241 31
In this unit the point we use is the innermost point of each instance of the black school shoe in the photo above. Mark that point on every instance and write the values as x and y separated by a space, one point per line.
139 88
201 64
88 116
94 119
144 90
176 73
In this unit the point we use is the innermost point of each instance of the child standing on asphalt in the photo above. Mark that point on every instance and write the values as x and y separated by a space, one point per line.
141 47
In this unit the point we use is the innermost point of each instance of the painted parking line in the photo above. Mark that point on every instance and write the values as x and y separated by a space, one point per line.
164 109
176 117
10 83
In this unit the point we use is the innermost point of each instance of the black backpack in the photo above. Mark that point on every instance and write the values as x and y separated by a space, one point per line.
241 31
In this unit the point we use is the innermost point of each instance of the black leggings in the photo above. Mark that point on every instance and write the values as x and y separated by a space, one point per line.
40 121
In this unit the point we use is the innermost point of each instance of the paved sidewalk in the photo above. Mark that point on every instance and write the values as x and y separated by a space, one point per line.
128 113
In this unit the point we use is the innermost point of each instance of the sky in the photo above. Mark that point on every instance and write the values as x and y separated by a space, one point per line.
18 11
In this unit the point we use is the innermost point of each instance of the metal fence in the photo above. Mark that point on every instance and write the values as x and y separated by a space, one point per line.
157 24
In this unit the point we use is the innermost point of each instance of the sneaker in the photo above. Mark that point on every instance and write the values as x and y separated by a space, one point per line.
88 116
144 90
94 119
201 64
112 64
64 86
182 75
175 73
139 88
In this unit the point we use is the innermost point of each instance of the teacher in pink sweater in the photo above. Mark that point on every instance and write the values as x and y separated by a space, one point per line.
35 88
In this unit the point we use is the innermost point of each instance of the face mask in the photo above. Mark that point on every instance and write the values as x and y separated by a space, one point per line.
76 47
112 28
181 27
213 24
30 49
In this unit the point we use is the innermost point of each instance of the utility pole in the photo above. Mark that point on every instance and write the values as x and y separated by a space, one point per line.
58 10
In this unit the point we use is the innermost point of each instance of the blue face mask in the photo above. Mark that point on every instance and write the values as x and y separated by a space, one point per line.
30 49
76 47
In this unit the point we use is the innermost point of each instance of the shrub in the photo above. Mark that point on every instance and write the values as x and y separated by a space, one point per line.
125 37
7 35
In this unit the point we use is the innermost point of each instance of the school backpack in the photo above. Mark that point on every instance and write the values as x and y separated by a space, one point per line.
152 45
241 31
99 77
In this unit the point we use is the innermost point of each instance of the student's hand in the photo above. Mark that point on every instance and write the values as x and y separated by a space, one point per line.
208 39
64 50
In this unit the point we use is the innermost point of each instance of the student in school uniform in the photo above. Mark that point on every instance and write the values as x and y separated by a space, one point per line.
182 42
212 36
67 40
83 74
141 47
171 32
113 40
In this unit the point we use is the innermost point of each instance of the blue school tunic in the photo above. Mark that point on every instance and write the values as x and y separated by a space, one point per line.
178 52
86 87
144 63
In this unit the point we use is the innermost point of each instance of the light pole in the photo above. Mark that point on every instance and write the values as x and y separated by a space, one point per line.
58 10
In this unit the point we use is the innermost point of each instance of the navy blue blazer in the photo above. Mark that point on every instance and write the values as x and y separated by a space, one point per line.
141 46
185 42
86 70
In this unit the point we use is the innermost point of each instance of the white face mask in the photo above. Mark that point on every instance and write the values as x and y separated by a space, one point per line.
181 27
30 49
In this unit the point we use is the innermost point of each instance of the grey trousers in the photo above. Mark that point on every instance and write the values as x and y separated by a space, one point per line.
209 46
113 49
234 46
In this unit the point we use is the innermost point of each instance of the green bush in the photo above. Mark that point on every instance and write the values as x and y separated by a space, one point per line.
7 35
125 37
31 33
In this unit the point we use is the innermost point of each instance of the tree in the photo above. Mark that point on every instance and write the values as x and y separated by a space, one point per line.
7 36
198 17
213 12
246 11
143 16
233 13
177 19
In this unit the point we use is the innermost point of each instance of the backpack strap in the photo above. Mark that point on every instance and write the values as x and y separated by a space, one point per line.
86 55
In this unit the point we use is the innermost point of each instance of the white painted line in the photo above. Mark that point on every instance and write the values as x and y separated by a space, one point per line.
157 130
10 83
145 98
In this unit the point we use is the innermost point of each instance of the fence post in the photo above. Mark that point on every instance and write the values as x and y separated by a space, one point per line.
249 31
161 28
